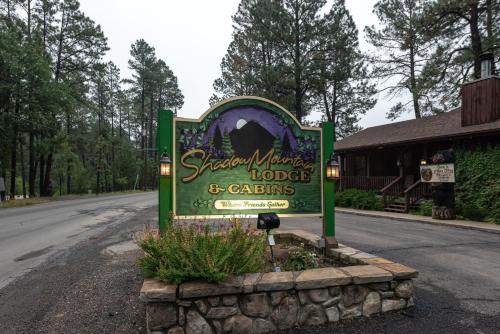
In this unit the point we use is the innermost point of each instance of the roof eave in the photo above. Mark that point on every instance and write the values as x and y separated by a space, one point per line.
418 140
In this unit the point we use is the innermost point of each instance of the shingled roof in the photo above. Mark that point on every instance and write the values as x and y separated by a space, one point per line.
445 125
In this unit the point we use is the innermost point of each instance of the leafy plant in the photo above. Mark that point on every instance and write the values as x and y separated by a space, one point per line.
300 259
474 212
425 208
358 199
199 251
477 188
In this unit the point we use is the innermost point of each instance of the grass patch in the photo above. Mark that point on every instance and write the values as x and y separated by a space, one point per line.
23 202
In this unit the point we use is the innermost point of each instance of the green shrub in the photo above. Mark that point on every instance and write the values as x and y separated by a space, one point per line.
477 188
473 212
358 199
425 208
194 251
300 259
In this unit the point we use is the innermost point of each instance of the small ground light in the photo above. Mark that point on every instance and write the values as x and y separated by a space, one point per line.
165 165
332 168
268 221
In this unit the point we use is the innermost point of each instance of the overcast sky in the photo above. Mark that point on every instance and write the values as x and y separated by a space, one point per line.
192 37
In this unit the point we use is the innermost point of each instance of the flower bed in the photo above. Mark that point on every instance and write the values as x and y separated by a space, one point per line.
263 302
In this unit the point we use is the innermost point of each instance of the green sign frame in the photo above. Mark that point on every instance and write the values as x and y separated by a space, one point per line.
244 156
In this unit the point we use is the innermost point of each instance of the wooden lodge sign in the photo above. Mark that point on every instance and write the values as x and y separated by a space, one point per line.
438 173
244 156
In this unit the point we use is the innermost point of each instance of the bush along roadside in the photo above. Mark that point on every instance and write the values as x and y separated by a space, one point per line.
185 252
424 208
358 199
477 188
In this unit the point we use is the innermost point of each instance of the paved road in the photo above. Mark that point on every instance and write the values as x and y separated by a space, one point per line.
458 290
30 235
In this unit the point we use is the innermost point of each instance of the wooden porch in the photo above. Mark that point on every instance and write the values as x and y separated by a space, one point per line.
399 193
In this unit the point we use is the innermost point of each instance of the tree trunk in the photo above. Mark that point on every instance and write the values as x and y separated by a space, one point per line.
68 162
475 38
13 164
443 213
41 174
128 123
120 122
489 29
45 9
47 181
97 185
31 162
29 21
297 70
334 111
13 157
151 107
68 177
112 164
327 109
60 47
23 168
145 157
413 84
143 135
99 121
106 183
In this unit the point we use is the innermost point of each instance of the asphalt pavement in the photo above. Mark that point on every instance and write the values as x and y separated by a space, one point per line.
80 288
30 235
458 288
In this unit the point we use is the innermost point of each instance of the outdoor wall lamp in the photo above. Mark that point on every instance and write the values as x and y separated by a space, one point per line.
423 162
332 168
165 165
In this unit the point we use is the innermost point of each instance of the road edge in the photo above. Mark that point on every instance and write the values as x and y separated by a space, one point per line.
467 225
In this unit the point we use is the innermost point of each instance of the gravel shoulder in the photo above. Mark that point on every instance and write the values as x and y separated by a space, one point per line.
86 289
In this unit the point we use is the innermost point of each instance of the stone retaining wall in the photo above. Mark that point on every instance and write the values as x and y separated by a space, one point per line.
260 303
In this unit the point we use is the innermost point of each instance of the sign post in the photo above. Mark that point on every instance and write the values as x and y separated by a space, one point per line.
328 189
165 133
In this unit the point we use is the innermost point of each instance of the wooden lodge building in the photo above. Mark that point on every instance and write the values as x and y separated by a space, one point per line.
387 158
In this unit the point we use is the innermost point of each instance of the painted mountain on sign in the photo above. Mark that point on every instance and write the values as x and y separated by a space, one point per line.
249 138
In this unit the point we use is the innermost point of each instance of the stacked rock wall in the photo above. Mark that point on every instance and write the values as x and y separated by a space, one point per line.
263 302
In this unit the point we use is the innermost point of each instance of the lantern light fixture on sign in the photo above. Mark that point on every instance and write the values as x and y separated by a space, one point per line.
332 168
165 165
423 162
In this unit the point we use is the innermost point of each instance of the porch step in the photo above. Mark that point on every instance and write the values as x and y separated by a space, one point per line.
398 207
388 209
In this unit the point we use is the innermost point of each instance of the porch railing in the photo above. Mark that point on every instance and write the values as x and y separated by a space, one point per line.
392 191
416 192
375 183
